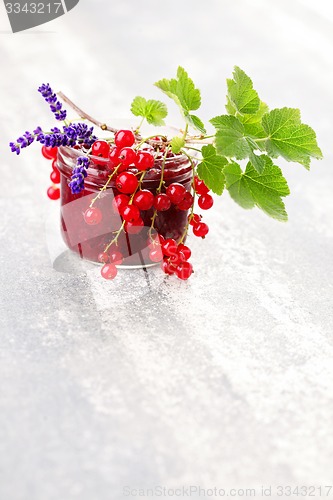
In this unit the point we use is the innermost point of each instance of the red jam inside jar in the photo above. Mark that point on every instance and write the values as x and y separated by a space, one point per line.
88 241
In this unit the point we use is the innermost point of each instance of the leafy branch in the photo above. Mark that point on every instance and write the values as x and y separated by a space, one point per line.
248 132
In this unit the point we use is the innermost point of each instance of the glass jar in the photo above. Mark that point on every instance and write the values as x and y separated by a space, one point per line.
88 241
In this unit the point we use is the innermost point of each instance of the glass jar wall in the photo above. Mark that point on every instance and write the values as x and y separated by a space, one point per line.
88 241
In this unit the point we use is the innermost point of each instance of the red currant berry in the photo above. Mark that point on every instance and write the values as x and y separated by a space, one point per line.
114 157
184 270
168 268
53 193
119 202
116 257
92 216
134 227
162 202
143 199
109 271
127 156
176 192
130 213
49 153
194 219
205 201
185 251
144 160
126 182
187 202
55 165
178 258
124 138
156 255
55 176
101 149
200 229
169 247
103 258
199 186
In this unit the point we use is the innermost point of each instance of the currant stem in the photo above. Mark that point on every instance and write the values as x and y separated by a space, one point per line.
147 140
137 189
198 140
194 149
185 132
158 190
140 125
115 239
152 222
105 186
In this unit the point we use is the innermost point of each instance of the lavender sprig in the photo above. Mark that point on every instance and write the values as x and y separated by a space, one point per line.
70 135
24 141
76 133
51 98
79 174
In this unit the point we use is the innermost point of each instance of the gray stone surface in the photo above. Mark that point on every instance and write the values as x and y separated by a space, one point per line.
224 381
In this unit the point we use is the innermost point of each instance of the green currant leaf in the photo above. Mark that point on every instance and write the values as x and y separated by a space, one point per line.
230 137
255 131
177 143
241 94
259 162
256 117
210 169
237 140
289 138
153 111
183 91
263 190
196 123
188 95
230 107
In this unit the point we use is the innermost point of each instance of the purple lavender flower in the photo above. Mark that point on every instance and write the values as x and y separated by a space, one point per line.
81 133
38 131
47 93
54 139
23 142
14 148
79 174
51 98
59 113
76 133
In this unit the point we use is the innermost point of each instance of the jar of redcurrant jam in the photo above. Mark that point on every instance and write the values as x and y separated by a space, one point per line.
90 240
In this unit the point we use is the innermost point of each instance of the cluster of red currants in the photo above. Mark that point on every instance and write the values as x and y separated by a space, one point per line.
173 256
125 162
205 202
53 191
110 259
122 155
129 207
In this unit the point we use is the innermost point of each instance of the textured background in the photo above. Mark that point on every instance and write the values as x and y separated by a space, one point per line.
226 380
